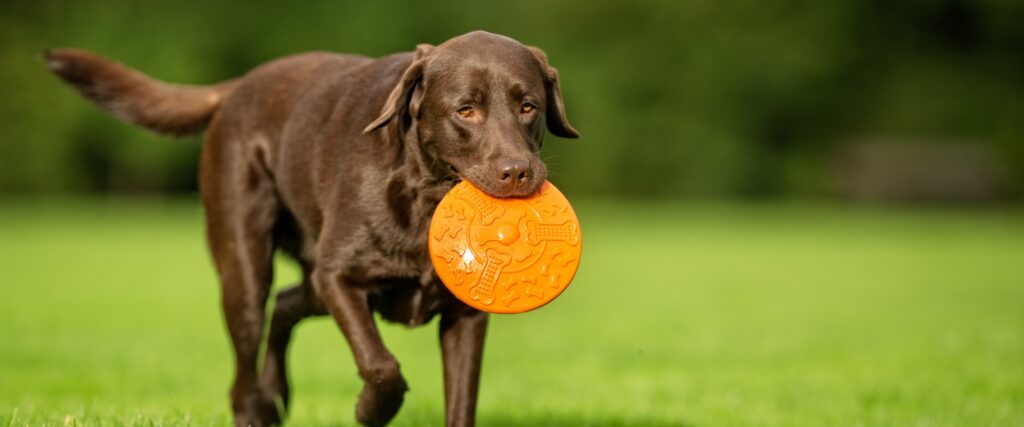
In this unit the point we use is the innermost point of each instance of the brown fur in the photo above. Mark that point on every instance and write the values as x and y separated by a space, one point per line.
136 98
339 161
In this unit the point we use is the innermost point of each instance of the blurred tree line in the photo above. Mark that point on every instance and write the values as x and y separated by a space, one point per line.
674 98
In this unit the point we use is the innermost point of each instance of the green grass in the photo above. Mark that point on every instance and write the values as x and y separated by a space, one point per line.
730 315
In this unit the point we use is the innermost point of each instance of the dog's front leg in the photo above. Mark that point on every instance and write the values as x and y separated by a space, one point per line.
383 388
462 347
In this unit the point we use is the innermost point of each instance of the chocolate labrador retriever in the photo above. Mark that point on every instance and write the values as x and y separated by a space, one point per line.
339 161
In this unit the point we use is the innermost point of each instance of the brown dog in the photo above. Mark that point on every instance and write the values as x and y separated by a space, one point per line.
339 161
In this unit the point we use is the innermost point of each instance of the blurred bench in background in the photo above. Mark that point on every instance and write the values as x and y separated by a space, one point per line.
919 171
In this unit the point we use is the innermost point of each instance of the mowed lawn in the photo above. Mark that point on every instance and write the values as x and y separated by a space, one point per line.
720 315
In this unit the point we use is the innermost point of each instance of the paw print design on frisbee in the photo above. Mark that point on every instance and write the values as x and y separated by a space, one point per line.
505 255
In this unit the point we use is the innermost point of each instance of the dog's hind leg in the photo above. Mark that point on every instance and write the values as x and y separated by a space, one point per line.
293 305
241 211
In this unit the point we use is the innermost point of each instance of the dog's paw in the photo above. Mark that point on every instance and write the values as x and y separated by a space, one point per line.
381 398
257 412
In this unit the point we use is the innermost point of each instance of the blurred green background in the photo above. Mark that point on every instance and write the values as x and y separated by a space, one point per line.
690 98
796 213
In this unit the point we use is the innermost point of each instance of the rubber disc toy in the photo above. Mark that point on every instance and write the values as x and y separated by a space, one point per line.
505 255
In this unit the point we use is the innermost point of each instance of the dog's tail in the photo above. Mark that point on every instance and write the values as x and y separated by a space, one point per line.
136 98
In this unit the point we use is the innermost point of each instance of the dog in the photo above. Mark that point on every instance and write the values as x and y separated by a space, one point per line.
339 161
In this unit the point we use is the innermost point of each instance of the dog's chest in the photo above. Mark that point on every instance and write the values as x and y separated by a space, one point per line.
388 253
409 302
401 278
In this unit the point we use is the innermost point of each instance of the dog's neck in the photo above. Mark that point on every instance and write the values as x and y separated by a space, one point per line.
416 182
417 164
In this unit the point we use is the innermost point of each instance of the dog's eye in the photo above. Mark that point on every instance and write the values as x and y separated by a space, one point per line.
467 112
527 108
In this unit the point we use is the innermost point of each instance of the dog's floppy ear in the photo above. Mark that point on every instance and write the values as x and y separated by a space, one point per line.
557 122
402 95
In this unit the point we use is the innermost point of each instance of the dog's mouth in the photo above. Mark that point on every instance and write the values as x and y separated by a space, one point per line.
452 174
455 176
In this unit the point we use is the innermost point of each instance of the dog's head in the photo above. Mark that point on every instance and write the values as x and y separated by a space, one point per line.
479 103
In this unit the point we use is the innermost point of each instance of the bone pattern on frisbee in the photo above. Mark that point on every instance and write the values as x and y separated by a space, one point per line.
515 254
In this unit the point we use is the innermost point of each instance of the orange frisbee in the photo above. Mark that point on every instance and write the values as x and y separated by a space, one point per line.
505 255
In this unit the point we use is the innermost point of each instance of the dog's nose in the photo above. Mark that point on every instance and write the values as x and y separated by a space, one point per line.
512 173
